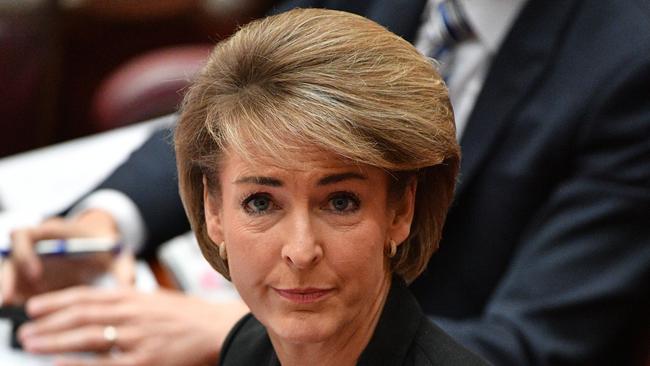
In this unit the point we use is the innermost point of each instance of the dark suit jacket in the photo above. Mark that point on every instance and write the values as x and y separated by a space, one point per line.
545 257
404 336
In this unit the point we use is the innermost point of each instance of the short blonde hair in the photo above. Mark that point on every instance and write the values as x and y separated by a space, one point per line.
332 81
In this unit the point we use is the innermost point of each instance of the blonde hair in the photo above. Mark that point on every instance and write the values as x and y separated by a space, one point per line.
332 81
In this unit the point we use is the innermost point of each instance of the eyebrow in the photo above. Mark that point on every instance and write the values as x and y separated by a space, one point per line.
264 181
273 182
335 178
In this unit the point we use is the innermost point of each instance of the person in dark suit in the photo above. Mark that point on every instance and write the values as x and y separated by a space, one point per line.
544 257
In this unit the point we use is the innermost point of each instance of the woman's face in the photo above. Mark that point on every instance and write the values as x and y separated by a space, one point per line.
306 246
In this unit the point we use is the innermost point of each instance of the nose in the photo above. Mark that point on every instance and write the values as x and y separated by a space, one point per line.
301 249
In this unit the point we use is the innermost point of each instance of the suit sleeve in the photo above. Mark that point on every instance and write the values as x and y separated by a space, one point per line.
148 177
577 290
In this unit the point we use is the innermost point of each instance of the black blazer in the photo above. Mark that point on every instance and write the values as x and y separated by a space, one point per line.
545 258
404 336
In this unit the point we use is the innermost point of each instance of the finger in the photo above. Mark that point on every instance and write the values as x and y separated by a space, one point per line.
23 240
83 339
90 338
58 228
123 268
15 288
53 301
23 254
7 283
75 317
97 222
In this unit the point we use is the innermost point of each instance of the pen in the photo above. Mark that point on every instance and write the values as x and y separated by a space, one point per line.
72 246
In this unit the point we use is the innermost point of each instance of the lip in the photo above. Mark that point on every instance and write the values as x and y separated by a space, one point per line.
304 295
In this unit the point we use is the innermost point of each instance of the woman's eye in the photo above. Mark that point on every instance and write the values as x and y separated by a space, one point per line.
257 204
345 202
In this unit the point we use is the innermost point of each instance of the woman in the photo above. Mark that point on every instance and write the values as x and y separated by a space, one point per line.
317 158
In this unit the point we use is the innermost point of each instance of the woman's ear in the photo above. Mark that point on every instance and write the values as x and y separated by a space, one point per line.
404 210
212 212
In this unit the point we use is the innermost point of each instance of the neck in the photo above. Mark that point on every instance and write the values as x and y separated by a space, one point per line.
344 348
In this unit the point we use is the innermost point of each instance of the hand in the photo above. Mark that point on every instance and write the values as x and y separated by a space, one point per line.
26 274
160 328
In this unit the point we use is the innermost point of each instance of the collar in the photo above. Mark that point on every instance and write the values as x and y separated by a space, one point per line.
397 327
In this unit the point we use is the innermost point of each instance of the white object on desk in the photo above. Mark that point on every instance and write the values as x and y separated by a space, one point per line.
193 274
48 179
11 357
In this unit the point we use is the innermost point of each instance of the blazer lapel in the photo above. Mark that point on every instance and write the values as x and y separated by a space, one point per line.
525 54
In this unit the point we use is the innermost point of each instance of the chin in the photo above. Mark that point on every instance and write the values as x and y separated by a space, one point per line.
303 328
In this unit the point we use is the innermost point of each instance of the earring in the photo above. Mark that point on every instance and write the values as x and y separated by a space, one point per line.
393 248
222 251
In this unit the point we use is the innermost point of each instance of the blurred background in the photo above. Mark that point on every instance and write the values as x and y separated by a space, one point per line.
70 68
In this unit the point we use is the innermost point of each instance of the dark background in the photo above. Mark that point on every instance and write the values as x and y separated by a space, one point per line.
55 56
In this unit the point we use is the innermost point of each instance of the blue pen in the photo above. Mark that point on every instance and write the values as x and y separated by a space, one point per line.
72 246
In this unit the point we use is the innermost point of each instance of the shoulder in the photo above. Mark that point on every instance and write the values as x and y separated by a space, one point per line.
405 336
247 344
432 346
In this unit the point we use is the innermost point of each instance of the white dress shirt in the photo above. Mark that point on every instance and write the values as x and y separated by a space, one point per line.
490 21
